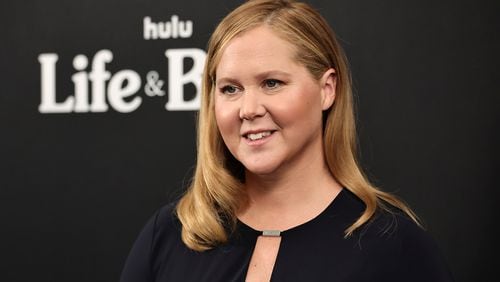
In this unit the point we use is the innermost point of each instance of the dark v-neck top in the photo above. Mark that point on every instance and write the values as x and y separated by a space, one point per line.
390 247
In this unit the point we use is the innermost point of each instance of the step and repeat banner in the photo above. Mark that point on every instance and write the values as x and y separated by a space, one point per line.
98 104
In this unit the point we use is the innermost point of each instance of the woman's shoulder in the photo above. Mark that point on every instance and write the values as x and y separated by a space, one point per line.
394 239
394 223
164 227
165 218
163 221
386 223
160 233
392 228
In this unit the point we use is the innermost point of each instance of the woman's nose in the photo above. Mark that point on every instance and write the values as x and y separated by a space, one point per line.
251 106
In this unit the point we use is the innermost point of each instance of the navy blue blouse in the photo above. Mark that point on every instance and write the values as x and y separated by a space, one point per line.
390 247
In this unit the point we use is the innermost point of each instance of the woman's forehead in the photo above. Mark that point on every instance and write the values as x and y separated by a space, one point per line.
259 49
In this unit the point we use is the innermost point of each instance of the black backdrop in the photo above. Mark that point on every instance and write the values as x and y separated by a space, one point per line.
76 187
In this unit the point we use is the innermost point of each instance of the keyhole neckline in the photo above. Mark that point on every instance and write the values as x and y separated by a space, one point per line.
252 234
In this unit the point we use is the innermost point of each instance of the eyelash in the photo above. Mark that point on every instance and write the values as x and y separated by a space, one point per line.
276 83
224 89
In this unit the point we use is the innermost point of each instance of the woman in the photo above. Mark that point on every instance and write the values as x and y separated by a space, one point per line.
277 193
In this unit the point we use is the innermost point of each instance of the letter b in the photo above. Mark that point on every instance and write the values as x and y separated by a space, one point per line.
177 78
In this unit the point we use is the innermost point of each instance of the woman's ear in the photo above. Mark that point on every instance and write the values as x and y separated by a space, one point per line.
328 83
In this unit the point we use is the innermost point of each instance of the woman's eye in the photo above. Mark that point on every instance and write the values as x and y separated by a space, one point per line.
272 83
229 89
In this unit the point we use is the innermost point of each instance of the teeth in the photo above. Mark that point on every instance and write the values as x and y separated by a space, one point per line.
257 136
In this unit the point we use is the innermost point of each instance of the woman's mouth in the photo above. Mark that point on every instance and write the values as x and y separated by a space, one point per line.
257 136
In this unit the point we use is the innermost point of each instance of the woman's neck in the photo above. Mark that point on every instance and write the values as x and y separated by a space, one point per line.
287 199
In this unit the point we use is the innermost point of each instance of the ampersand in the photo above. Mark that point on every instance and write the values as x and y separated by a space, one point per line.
153 84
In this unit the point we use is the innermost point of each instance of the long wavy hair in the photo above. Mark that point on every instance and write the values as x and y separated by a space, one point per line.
208 209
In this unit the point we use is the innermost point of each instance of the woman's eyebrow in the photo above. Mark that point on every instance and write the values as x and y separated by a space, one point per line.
273 73
224 80
259 76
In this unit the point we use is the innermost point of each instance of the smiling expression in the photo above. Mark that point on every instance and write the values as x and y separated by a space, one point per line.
268 107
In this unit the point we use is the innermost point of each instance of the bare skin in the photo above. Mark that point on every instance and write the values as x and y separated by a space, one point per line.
263 259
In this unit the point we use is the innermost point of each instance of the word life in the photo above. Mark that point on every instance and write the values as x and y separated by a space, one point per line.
119 90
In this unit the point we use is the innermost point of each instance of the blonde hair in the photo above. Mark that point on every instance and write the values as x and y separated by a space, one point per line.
207 210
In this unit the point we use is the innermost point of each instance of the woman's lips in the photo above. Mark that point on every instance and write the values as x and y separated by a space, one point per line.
258 137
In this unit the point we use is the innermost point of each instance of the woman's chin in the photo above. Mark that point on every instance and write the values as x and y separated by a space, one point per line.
261 169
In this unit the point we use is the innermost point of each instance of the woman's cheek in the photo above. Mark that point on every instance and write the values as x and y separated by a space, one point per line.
227 121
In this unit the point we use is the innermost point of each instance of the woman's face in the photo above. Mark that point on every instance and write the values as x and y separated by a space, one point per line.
268 107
